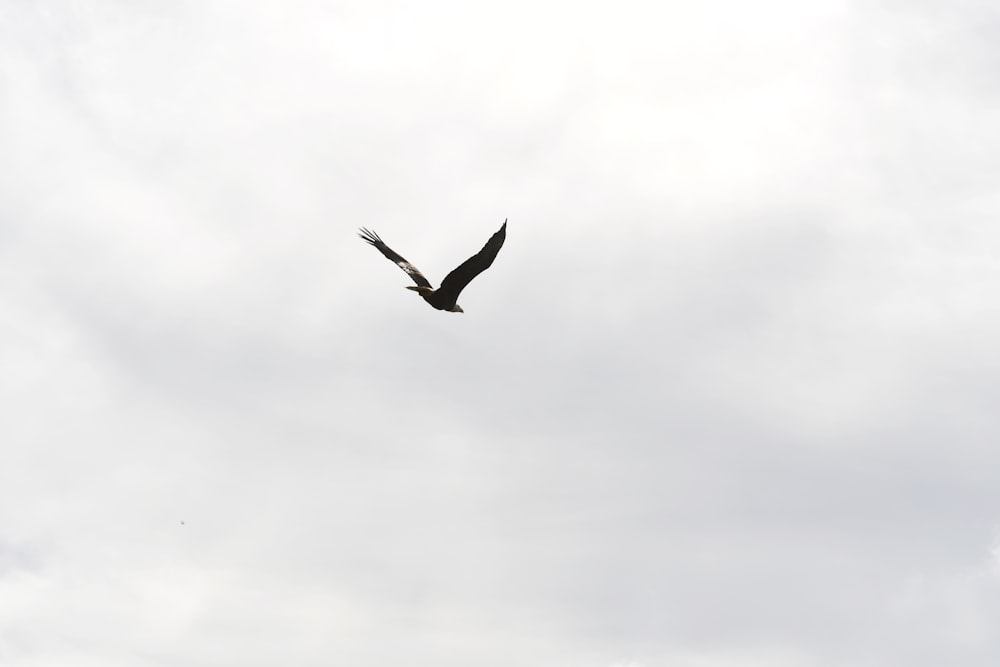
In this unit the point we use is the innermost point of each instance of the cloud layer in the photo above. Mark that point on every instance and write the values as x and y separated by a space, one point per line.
727 396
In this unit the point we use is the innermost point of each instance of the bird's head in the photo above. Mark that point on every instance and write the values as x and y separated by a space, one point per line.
457 309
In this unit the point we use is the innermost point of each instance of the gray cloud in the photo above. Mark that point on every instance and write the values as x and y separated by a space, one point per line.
725 398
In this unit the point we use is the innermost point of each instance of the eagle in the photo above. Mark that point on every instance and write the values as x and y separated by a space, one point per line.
446 296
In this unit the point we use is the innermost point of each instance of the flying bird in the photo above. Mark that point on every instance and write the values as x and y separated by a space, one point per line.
446 296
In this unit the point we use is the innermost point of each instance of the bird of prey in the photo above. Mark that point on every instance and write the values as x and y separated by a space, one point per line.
446 296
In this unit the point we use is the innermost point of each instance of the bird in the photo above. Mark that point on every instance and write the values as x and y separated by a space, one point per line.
444 297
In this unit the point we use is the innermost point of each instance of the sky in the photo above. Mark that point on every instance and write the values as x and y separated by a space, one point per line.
726 398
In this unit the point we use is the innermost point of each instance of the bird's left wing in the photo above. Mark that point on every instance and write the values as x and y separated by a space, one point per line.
456 281
372 238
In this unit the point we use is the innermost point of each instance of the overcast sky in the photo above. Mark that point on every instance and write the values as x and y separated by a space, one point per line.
728 397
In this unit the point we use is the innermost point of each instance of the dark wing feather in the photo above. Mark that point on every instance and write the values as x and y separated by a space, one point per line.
456 281
372 238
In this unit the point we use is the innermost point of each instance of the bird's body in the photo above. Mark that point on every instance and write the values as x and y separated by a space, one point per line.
446 296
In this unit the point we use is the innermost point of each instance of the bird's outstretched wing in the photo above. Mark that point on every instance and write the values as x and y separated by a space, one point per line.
372 238
456 281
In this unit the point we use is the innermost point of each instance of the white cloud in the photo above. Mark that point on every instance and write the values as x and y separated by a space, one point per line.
727 396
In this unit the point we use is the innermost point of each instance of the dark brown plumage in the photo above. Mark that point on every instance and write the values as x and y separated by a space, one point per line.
446 296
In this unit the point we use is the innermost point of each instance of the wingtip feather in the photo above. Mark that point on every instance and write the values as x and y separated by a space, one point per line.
369 236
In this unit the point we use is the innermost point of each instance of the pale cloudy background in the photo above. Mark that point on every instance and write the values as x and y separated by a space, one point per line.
727 398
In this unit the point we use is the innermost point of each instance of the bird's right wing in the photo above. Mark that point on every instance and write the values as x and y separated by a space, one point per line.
372 238
456 281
